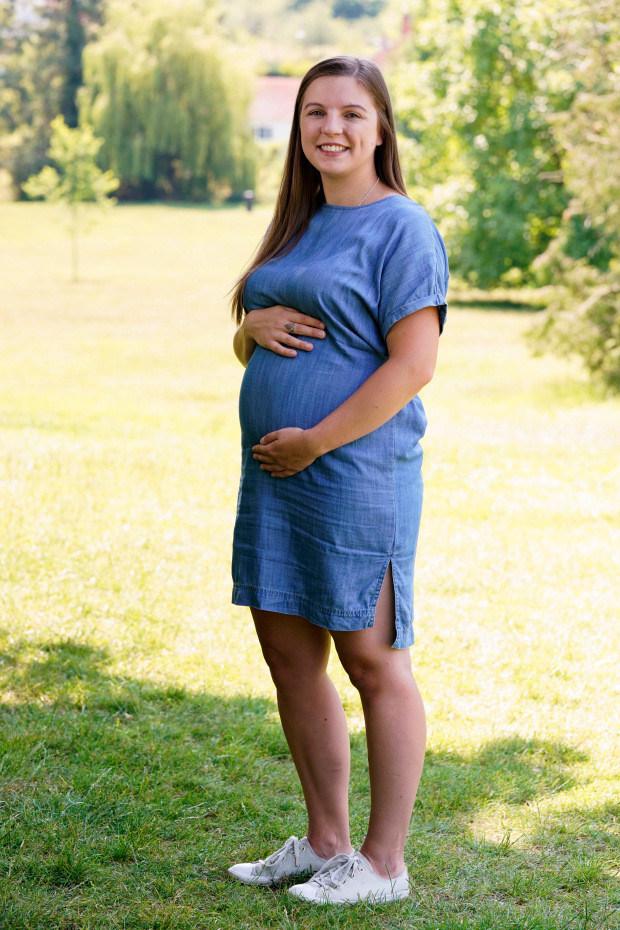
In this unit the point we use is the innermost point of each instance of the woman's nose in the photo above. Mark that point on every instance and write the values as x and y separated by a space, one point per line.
332 123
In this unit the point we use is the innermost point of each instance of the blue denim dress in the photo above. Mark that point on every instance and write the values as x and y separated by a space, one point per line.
318 543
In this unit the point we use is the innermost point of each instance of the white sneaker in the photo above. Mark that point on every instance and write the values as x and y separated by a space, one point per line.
348 878
294 858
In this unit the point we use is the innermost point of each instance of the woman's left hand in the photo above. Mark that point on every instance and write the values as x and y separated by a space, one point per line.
286 451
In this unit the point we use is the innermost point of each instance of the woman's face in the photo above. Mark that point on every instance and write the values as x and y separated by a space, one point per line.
338 111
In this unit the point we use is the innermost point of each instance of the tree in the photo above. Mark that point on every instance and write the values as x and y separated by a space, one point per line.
74 42
67 26
171 107
584 318
41 47
513 211
29 95
76 181
471 101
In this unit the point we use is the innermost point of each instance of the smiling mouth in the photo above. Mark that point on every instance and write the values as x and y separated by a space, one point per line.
332 147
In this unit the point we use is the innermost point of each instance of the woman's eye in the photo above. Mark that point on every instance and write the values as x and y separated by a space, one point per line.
313 112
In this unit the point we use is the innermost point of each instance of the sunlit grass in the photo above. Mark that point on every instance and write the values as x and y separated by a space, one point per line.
140 746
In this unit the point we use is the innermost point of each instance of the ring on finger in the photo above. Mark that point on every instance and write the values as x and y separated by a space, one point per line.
290 327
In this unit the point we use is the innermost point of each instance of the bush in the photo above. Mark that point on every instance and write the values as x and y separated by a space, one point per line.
584 317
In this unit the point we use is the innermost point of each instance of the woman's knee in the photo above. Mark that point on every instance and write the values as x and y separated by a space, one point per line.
376 673
366 674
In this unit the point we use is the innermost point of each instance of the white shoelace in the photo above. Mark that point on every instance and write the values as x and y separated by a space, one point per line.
338 869
292 845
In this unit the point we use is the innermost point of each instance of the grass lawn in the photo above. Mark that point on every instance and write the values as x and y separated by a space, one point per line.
140 747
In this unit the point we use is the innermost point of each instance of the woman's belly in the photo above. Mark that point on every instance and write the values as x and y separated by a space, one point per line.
278 391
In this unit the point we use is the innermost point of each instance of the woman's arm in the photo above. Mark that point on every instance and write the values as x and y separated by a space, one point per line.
412 346
243 344
267 327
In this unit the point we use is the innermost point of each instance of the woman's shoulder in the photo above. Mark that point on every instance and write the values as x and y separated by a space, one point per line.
404 220
407 210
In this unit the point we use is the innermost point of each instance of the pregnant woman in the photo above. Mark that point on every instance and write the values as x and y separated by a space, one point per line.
340 315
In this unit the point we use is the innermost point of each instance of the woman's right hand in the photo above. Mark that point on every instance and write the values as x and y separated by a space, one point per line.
266 326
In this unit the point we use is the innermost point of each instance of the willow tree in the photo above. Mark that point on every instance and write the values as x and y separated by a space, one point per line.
161 90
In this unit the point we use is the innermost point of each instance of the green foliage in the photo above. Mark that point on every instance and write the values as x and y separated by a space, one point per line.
512 213
472 98
76 179
170 105
289 36
584 240
40 63
584 319
271 160
76 15
29 96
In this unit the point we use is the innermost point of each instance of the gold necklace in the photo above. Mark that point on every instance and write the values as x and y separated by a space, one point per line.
368 191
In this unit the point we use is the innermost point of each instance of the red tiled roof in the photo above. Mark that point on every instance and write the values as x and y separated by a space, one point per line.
274 101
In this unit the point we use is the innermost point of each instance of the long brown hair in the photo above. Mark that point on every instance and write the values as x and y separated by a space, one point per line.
301 191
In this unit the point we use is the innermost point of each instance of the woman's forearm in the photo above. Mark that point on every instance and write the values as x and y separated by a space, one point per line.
376 401
243 345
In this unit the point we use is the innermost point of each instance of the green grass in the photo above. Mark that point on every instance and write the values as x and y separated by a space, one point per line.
140 748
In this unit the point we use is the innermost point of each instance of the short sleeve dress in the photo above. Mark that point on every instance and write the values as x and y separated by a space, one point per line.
318 543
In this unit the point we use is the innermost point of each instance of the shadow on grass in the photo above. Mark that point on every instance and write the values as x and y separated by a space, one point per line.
492 303
123 801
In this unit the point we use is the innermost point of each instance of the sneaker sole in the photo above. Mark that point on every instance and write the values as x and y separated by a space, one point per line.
270 883
371 899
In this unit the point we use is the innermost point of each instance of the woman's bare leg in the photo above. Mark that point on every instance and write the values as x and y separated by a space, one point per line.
313 721
395 730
